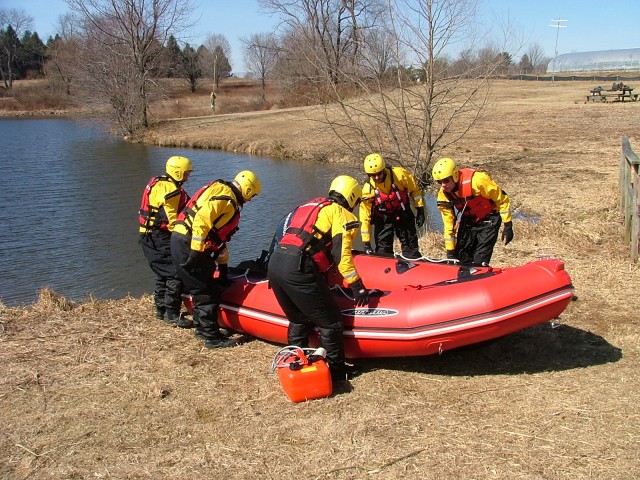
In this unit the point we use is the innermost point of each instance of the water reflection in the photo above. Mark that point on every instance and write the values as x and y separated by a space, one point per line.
71 195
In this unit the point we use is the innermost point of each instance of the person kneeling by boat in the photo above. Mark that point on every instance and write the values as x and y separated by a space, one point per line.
162 201
319 234
472 201
200 240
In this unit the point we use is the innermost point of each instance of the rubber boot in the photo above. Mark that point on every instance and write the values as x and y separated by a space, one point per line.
218 342
171 317
184 322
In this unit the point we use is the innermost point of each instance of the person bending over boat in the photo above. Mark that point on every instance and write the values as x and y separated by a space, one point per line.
387 198
473 207
319 234
163 199
200 241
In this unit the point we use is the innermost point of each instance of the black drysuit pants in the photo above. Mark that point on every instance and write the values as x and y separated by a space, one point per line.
307 301
403 227
167 294
199 282
475 240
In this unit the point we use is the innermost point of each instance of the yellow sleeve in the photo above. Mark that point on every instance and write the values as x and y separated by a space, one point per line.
368 196
408 182
483 185
448 220
343 226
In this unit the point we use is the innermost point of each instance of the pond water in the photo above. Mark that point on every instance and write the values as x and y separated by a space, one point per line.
70 197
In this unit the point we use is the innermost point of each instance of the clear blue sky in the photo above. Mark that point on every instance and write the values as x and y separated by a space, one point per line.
591 24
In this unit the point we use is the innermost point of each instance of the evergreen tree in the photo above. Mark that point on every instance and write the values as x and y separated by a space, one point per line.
10 46
222 68
525 64
191 67
174 59
31 57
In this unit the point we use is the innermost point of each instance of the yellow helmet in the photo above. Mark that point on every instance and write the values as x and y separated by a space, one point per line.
348 187
249 184
177 167
374 163
445 168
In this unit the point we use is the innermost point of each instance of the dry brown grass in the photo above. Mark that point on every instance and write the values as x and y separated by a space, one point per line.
31 96
101 390
233 96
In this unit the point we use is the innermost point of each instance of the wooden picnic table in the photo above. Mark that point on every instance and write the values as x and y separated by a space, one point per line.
619 95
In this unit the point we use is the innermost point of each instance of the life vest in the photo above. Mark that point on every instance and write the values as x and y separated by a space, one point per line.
301 233
390 204
474 207
217 237
155 217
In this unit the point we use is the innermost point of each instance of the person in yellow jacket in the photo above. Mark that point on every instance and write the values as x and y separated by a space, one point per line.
163 199
387 200
473 207
317 235
199 241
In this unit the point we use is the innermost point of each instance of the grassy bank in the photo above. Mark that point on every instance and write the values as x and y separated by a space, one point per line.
103 390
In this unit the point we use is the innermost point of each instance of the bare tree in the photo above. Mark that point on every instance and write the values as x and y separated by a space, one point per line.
379 53
63 52
536 56
13 24
122 42
327 33
261 52
214 59
411 114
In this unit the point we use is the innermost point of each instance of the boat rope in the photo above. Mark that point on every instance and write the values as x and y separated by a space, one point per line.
426 259
342 290
245 275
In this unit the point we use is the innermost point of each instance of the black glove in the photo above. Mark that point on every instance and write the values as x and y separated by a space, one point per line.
419 216
367 248
360 293
193 260
507 233
223 278
451 255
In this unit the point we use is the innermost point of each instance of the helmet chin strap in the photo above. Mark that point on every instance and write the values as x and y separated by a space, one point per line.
238 192
339 199
173 179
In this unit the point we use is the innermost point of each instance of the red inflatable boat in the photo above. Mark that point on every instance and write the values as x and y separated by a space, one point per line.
419 307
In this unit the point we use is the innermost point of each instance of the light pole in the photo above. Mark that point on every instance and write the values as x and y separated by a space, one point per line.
557 24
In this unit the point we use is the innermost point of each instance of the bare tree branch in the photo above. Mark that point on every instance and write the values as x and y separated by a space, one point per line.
122 42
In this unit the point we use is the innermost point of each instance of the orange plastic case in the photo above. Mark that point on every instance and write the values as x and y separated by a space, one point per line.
302 380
